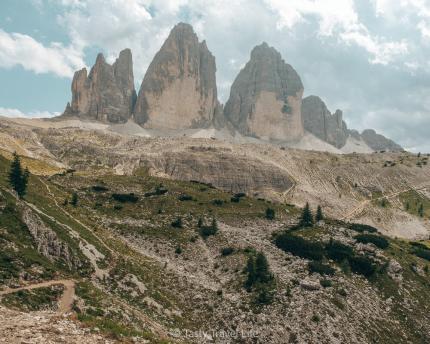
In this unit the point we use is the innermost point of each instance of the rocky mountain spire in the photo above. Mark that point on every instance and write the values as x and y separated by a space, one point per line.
107 93
179 89
318 120
266 97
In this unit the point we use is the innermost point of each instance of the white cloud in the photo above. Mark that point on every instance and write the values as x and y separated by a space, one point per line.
32 114
338 18
18 49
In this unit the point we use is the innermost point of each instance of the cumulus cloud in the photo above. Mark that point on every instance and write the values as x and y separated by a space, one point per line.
367 57
23 50
15 113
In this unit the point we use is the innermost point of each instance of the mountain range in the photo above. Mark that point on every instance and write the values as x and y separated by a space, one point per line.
179 91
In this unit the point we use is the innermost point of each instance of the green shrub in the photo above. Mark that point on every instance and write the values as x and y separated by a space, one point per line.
325 283
207 231
359 227
362 265
322 269
99 188
239 195
177 223
218 202
377 240
299 247
226 251
316 318
338 252
270 214
185 197
422 253
235 199
125 198
159 190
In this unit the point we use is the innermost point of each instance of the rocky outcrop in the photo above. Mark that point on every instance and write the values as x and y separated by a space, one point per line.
318 120
221 168
107 94
266 98
47 242
379 142
179 89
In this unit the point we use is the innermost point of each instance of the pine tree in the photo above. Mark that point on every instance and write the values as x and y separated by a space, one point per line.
306 219
200 223
270 214
25 177
74 200
421 210
250 269
17 178
262 271
319 216
214 225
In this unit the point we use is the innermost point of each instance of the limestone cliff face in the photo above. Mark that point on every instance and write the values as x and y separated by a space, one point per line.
179 89
107 94
266 98
379 142
318 120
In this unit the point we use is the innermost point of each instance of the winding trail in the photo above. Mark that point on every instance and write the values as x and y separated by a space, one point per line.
361 207
64 303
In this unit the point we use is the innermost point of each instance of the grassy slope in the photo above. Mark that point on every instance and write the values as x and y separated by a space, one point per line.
153 216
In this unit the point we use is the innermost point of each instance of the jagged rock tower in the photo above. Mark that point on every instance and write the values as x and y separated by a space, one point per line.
266 98
179 89
319 121
107 94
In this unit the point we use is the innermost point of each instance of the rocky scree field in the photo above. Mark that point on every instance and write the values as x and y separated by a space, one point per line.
155 260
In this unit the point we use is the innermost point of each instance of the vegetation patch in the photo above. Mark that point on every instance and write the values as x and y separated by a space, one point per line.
260 279
125 198
33 300
207 231
361 228
321 268
299 246
376 240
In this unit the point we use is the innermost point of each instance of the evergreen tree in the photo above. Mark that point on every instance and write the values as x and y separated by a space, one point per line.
270 214
262 271
421 210
17 178
200 222
250 269
74 200
214 225
319 216
306 219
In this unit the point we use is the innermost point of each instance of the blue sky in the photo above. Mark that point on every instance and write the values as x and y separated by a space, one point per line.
369 58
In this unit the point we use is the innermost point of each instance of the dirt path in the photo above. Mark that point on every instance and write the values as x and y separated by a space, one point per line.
64 303
112 252
362 206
